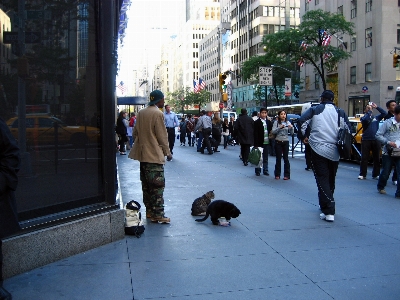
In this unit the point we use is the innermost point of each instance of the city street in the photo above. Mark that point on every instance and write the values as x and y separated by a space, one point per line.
278 248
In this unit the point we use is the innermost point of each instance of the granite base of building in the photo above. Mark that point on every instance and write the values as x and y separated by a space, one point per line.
35 249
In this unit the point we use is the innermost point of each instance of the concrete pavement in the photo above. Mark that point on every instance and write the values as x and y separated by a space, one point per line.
278 248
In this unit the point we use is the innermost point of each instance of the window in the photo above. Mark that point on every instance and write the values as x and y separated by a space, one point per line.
353 11
307 5
368 6
368 72
353 72
317 77
368 37
316 2
340 10
398 36
353 44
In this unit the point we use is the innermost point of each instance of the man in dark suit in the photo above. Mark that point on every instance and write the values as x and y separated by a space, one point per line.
244 128
9 166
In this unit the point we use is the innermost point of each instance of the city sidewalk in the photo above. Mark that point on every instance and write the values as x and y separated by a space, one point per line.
278 248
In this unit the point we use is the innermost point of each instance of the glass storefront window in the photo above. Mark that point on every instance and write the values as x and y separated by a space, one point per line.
55 86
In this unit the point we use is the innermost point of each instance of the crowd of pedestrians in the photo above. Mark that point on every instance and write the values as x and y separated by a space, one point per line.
317 129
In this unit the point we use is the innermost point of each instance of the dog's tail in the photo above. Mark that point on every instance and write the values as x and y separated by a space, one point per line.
205 218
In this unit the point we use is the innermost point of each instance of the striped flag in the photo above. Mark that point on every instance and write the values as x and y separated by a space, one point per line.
122 87
303 45
202 84
328 55
326 38
196 86
301 62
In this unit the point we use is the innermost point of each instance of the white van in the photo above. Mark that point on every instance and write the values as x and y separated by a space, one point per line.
229 114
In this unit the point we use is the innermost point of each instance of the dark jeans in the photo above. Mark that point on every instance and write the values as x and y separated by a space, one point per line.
325 175
183 137
206 140
171 137
121 142
199 140
282 150
189 137
265 158
226 138
245 151
387 162
366 147
307 154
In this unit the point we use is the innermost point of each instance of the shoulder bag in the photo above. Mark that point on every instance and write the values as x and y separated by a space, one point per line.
344 140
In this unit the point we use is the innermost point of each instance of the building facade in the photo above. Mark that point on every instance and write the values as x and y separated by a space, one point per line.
368 75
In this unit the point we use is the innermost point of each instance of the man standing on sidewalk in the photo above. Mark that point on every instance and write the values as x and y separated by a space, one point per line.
171 121
323 120
369 143
150 148
244 128
9 166
205 124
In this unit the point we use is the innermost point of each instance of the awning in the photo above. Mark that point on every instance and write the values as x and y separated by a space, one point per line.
132 101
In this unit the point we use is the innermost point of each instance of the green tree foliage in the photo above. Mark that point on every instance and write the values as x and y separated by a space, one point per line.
200 98
177 99
286 44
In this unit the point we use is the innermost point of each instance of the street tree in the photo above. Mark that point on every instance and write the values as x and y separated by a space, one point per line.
177 99
283 69
310 43
200 98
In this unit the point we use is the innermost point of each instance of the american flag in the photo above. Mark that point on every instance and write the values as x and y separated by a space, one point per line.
309 1
301 62
326 37
328 55
122 87
195 86
199 85
202 84
303 45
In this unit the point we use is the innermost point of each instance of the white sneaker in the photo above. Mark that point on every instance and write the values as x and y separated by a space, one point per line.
376 177
394 182
362 177
328 218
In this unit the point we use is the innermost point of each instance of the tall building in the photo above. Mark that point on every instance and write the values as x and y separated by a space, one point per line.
250 21
368 75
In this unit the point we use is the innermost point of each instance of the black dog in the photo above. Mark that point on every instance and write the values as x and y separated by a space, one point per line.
218 209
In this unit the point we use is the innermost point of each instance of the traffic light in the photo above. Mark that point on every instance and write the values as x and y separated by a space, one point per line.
224 97
396 60
222 78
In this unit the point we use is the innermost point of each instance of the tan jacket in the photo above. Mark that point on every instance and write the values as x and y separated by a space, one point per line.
151 138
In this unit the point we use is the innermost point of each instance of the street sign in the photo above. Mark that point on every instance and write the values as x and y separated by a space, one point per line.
34 14
265 75
10 37
288 87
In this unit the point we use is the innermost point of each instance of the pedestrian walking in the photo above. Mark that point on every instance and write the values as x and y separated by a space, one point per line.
391 105
182 131
150 148
389 135
369 143
9 167
323 120
244 128
262 127
225 132
190 129
122 131
204 124
216 131
171 121
282 128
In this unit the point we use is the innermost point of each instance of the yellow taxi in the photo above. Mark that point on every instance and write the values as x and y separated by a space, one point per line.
41 128
357 131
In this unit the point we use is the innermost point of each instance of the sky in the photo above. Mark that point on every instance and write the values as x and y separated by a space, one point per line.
150 23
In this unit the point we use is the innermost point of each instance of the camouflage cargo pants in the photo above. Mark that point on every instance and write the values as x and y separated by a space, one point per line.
153 183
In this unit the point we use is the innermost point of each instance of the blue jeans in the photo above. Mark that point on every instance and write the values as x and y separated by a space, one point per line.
282 150
265 158
199 140
387 162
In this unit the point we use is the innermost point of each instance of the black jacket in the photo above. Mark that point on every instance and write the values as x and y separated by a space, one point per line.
9 166
259 132
244 130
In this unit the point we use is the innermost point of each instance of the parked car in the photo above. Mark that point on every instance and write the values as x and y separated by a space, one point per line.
40 130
